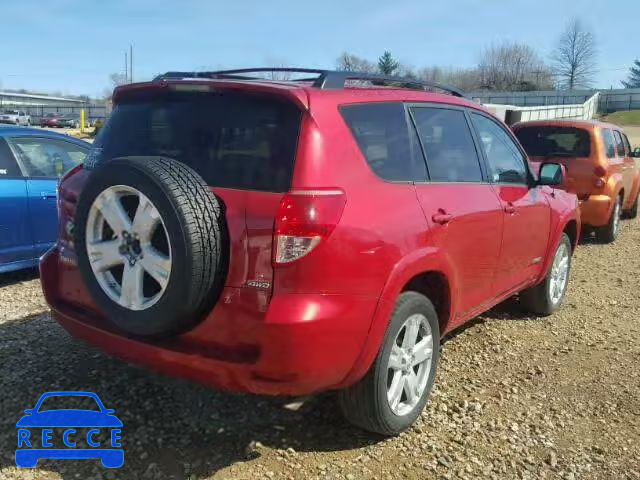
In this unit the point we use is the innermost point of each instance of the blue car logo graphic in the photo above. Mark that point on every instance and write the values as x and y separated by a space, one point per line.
36 433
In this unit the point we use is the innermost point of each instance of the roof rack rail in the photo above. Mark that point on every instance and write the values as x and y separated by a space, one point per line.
325 79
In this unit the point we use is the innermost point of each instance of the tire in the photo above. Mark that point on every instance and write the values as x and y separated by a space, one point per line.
366 404
633 211
611 230
547 297
188 224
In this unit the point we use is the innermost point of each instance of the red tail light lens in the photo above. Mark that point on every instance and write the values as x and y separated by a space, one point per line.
600 171
304 219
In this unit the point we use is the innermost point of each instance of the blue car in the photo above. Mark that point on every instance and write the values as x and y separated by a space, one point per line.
31 163
36 435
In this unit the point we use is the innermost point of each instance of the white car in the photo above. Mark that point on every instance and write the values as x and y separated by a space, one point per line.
15 117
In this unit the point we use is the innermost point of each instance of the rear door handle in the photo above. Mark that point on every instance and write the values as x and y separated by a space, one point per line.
441 217
47 195
509 208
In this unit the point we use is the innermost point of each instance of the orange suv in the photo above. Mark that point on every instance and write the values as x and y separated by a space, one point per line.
600 165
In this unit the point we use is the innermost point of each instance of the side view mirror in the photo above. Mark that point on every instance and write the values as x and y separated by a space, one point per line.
636 153
552 174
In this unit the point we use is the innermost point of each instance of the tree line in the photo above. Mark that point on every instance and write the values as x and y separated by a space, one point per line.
508 66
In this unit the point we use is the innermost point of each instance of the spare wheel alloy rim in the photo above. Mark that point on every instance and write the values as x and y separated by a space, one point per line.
128 247
409 364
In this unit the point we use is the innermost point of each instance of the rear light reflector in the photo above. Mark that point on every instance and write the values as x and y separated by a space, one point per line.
600 171
303 220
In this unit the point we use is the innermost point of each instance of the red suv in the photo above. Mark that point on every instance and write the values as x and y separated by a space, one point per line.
291 237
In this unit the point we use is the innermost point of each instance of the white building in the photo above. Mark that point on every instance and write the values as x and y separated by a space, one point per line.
28 100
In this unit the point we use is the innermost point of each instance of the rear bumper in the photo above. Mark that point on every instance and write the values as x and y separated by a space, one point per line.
306 342
596 210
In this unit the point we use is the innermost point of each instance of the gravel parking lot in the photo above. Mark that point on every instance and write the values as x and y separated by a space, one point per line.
516 398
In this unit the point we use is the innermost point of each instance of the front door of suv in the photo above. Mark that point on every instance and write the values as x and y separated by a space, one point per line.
527 215
463 212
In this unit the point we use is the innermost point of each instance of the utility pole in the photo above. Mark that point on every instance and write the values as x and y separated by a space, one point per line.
126 68
131 62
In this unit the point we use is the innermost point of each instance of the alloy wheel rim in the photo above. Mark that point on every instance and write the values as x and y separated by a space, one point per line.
559 274
128 247
409 364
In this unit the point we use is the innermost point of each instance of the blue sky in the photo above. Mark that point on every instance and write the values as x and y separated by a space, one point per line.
72 46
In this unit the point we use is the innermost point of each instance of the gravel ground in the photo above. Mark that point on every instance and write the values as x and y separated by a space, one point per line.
516 398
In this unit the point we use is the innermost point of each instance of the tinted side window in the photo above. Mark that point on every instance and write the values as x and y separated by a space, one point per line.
609 144
46 157
8 165
506 162
619 144
381 131
448 145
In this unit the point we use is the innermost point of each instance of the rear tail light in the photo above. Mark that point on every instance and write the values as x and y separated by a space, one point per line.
600 171
304 219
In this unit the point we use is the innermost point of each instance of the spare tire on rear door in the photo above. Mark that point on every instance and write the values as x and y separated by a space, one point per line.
151 244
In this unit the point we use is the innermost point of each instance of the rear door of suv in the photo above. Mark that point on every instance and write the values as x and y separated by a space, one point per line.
242 144
463 211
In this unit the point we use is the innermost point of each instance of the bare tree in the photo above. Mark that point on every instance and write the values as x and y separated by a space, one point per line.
118 79
353 63
574 59
512 66
465 79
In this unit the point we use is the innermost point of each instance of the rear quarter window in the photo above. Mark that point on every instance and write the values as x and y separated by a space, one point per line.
609 143
382 133
232 140
553 141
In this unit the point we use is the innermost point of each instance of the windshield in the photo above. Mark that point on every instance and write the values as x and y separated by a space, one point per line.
554 141
11 112
66 402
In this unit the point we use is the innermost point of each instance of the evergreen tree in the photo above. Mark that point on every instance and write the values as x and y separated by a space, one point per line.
387 64
634 76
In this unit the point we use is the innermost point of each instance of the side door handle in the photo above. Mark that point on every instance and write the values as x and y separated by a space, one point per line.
441 217
47 195
509 208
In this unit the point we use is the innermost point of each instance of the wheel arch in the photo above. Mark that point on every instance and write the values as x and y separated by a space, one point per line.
423 270
572 231
435 286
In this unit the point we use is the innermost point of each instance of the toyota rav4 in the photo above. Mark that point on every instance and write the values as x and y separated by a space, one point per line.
291 237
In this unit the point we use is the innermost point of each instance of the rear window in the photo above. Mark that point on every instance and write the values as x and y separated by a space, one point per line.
232 140
554 141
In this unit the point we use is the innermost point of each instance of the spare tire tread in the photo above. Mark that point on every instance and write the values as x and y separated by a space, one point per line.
200 226
195 223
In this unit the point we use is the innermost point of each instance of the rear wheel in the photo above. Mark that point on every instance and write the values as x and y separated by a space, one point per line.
393 393
633 211
546 297
610 231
